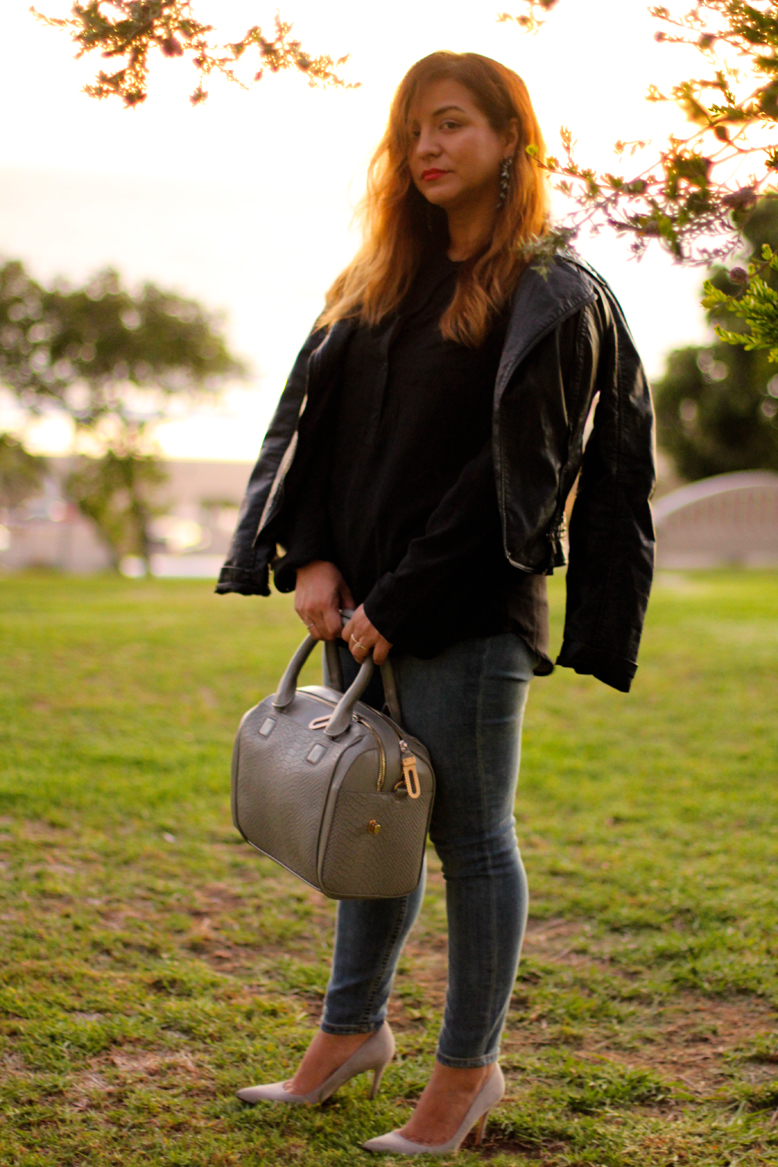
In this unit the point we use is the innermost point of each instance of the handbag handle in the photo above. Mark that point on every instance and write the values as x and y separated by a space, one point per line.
341 717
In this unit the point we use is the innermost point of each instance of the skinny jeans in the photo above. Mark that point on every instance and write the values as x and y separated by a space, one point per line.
466 705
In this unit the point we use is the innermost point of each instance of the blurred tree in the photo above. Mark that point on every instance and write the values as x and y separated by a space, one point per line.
115 363
120 493
127 31
21 473
717 406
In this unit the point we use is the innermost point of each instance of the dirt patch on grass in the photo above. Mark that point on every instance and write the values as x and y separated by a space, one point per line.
113 1074
694 1040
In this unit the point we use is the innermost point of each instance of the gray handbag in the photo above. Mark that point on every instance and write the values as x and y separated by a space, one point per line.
331 789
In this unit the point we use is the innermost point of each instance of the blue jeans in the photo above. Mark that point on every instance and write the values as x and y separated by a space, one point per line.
466 705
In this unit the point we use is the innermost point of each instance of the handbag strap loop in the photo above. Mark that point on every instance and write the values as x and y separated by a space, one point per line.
341 717
344 710
288 686
387 676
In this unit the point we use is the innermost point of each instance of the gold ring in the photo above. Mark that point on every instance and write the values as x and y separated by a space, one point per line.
357 644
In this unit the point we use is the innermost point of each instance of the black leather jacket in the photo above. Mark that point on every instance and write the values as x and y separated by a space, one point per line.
567 343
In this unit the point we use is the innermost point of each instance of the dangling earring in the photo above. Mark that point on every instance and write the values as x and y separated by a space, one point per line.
505 179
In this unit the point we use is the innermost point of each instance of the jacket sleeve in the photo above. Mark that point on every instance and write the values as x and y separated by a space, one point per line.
307 534
456 531
246 568
611 530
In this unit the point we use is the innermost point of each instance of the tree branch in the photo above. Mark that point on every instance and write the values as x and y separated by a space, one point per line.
133 29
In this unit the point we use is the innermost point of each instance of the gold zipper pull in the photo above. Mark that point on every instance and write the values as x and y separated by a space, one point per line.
411 777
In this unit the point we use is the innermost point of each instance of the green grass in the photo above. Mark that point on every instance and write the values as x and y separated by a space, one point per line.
150 964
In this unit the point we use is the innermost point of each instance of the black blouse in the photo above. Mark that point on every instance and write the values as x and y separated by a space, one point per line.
401 494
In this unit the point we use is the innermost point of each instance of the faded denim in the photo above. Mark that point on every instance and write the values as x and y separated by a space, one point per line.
466 705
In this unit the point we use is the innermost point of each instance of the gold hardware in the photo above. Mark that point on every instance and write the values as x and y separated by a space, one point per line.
411 777
381 752
373 827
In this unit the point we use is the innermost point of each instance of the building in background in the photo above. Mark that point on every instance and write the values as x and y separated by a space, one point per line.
728 520
191 538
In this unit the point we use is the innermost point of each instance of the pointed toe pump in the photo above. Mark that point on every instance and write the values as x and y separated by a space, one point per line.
374 1054
488 1096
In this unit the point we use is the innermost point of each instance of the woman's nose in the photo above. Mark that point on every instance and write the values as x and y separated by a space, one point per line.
426 145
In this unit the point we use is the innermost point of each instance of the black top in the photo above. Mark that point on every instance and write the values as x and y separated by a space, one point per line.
400 493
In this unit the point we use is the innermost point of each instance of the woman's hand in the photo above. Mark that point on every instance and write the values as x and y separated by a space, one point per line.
362 636
319 594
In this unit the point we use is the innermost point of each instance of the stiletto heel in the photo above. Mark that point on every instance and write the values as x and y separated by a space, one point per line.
488 1096
375 1054
479 1130
377 1076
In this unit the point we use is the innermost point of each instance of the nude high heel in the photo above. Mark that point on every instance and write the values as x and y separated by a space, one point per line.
488 1096
374 1054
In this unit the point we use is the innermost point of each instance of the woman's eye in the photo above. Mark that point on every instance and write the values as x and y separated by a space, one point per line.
449 125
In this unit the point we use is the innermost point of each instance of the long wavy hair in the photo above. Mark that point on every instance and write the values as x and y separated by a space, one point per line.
398 223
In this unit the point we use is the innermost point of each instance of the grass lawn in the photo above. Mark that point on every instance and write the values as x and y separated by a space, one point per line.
150 963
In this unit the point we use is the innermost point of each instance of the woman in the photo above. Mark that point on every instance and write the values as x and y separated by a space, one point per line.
416 471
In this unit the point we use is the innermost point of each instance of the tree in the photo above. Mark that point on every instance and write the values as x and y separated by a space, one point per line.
120 493
128 31
21 473
685 197
717 406
113 362
692 197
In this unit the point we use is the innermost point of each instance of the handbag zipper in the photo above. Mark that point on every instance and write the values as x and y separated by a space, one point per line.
379 743
410 773
410 778
381 751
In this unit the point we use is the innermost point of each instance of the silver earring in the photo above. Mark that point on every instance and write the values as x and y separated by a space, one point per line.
505 179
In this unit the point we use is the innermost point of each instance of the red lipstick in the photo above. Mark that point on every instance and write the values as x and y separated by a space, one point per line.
429 175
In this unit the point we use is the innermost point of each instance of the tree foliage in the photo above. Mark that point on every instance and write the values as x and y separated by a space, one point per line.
120 493
756 304
128 32
114 362
21 473
692 197
101 353
686 197
717 405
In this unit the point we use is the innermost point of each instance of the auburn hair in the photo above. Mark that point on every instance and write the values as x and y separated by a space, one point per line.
398 222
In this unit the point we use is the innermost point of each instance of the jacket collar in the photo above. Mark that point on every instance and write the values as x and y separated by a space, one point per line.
331 348
541 302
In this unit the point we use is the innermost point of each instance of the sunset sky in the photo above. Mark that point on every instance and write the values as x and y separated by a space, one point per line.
246 202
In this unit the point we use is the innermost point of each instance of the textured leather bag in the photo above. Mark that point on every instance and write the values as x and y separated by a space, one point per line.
331 789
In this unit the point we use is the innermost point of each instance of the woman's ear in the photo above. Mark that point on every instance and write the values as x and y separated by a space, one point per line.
512 135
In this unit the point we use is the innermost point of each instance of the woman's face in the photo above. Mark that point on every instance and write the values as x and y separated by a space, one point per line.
455 154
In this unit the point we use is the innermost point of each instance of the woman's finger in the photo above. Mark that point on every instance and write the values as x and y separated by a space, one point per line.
331 623
361 640
346 598
381 650
350 626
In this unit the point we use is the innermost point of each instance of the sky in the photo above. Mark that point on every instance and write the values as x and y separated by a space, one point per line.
246 202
